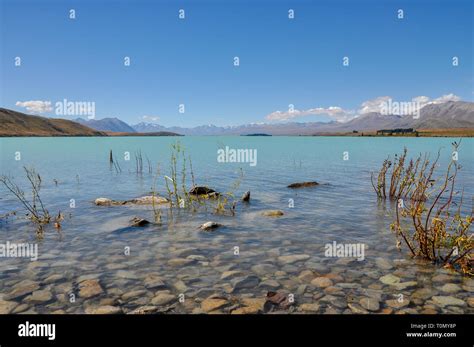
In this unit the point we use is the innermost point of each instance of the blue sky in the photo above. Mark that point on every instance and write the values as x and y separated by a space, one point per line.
190 61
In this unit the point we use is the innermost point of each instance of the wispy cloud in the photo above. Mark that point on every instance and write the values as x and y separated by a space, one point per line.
343 115
373 105
151 119
35 106
334 112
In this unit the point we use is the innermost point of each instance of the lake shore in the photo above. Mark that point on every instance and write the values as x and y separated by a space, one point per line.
270 256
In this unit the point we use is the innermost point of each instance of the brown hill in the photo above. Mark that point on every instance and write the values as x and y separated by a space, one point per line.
14 123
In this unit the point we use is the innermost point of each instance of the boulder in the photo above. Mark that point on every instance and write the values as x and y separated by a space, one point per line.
370 304
245 282
21 289
163 298
211 304
7 307
89 288
209 226
138 222
290 259
203 190
272 213
448 301
277 301
389 279
107 202
303 184
143 200
250 306
148 200
321 282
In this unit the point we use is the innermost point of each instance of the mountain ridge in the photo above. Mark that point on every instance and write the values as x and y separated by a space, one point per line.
106 124
452 114
448 115
13 123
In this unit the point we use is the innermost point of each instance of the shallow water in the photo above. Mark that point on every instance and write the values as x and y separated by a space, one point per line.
343 208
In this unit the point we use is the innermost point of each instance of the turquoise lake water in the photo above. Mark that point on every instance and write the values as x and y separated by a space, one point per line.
344 208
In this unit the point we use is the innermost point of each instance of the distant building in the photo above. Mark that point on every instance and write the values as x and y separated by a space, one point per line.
398 131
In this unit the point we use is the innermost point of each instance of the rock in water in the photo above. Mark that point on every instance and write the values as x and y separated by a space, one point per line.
245 282
276 301
246 196
106 309
89 288
208 226
138 222
21 289
321 282
148 200
163 299
272 213
211 304
143 200
7 307
389 279
451 288
203 190
104 202
303 184
383 263
290 259
370 304
448 301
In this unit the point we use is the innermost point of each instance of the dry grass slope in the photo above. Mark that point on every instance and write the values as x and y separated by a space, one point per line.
19 124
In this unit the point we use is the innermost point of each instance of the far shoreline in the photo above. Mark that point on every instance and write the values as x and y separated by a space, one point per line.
430 133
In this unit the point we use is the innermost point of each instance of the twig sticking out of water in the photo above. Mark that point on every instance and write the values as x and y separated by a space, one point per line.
150 168
114 163
138 162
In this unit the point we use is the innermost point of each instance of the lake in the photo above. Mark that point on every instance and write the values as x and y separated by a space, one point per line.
103 264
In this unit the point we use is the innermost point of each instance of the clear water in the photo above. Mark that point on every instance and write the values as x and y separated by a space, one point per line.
343 209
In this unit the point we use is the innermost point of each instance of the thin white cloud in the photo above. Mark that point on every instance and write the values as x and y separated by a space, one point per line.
151 118
334 112
373 105
35 106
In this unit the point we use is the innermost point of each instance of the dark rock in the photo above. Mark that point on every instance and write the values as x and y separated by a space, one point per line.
246 196
276 301
138 222
203 190
208 226
303 184
245 282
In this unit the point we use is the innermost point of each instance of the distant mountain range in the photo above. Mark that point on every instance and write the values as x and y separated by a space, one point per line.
449 115
452 114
